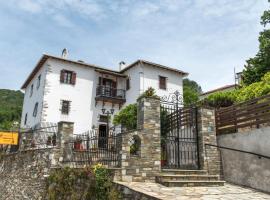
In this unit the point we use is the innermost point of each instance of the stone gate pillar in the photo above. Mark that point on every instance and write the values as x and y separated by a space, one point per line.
209 157
65 132
145 164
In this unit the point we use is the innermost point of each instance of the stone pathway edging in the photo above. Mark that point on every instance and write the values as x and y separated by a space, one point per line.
160 192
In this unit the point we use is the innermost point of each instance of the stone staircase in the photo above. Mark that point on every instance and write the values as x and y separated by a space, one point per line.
188 178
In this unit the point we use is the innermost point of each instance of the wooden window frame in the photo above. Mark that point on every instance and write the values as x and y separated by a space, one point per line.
161 85
65 107
103 118
31 90
127 83
68 77
38 81
35 109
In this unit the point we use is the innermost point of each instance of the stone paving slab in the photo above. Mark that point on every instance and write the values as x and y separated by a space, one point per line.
226 192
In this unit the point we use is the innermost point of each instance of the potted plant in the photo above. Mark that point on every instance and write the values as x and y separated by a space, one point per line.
78 144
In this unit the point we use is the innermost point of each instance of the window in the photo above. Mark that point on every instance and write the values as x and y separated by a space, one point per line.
31 90
68 77
38 81
35 110
103 118
65 107
128 84
25 119
162 82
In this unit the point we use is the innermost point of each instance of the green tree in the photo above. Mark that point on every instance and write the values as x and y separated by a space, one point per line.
191 91
259 65
10 107
127 117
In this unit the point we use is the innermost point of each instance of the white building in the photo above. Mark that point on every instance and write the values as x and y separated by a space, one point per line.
59 89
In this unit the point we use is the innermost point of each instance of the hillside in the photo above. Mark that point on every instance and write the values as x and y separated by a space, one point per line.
11 102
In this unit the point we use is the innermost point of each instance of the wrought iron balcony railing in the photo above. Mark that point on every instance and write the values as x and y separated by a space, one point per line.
109 92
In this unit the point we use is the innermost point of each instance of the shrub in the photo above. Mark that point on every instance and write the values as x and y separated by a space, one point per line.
254 90
219 99
81 184
150 92
127 117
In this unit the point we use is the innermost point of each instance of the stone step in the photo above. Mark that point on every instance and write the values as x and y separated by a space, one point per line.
183 172
169 177
192 183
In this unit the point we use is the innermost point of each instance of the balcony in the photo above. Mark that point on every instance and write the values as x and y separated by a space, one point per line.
109 94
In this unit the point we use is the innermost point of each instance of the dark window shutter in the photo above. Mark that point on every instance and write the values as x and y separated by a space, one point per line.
73 79
127 84
162 83
99 80
113 84
62 76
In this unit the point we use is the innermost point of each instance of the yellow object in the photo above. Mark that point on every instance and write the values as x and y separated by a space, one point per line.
8 138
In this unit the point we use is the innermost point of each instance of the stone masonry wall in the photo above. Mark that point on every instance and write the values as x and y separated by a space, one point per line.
23 174
209 157
146 165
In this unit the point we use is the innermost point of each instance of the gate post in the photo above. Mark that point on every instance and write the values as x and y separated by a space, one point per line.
209 157
65 132
145 164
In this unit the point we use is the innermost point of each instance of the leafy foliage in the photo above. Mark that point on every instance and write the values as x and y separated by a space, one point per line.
127 117
259 65
219 99
70 184
150 92
10 107
254 90
81 184
191 91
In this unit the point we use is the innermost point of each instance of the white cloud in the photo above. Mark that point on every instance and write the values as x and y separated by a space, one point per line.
207 38
63 21
29 6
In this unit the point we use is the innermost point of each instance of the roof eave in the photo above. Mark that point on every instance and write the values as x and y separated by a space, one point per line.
154 64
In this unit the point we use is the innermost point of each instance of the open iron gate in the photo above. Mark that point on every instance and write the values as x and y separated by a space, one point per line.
179 138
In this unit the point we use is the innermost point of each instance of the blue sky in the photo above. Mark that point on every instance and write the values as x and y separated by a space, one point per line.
206 38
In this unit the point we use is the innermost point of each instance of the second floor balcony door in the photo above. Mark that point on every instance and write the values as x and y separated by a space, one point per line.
110 87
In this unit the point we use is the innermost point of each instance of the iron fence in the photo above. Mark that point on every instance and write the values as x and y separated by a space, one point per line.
41 137
95 147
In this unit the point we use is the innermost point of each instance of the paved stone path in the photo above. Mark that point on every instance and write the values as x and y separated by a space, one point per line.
227 192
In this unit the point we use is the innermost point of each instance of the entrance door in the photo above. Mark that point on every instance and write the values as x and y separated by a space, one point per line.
102 137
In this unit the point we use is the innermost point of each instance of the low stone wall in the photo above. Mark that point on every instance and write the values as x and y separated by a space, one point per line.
128 193
23 174
246 169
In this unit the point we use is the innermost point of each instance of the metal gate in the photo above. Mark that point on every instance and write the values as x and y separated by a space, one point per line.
179 138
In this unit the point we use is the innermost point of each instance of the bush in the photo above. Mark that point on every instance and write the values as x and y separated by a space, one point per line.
127 117
254 90
219 99
150 92
81 184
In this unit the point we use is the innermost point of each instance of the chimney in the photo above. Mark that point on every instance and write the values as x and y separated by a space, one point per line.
122 65
65 53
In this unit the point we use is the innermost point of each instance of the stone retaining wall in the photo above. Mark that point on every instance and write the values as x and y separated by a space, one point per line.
23 174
